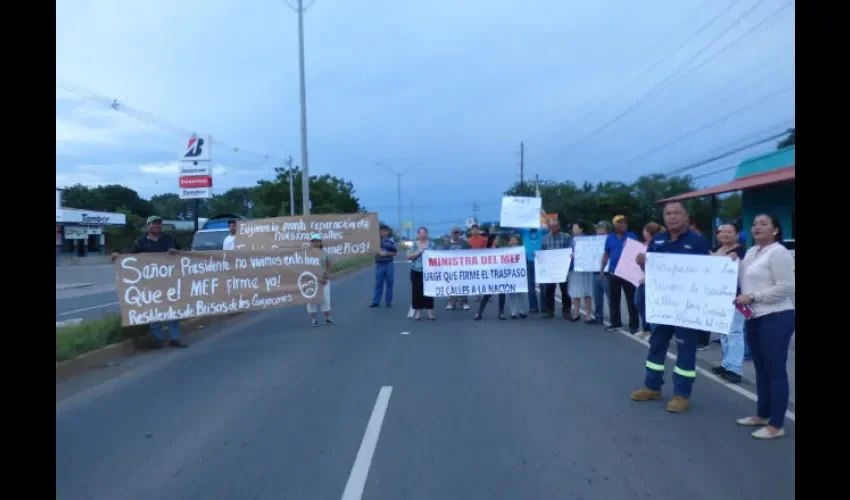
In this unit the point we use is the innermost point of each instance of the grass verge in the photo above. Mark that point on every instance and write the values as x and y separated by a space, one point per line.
75 340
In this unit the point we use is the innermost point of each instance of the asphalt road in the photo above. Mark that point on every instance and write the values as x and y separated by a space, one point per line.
270 408
87 306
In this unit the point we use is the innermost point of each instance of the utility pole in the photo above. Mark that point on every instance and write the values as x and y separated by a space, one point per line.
398 175
521 165
291 187
305 171
537 185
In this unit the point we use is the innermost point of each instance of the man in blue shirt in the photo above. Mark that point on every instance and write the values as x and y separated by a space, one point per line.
678 239
616 285
532 239
384 268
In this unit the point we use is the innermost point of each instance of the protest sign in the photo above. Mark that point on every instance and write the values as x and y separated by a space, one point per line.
691 291
588 253
627 266
342 234
474 272
552 266
520 211
155 287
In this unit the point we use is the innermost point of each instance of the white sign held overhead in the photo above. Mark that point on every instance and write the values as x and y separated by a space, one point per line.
186 169
197 149
196 193
552 266
520 211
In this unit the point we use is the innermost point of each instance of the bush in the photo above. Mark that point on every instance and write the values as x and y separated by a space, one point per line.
73 340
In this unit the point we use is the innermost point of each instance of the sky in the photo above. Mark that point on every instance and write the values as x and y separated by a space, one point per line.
443 93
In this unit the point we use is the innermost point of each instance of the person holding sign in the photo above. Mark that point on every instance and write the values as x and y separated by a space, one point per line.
384 269
580 284
555 240
325 304
420 301
532 241
732 344
617 285
492 242
156 241
457 243
767 288
681 240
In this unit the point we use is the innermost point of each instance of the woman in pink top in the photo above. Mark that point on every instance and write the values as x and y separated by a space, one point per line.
767 287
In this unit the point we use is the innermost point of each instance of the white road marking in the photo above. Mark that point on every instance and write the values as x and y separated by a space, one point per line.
360 470
66 313
405 333
790 415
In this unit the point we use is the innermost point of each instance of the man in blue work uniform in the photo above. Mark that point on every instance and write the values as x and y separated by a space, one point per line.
678 239
384 269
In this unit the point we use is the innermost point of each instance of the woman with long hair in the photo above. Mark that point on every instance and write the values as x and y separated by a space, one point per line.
732 344
767 288
580 285
649 230
414 255
492 242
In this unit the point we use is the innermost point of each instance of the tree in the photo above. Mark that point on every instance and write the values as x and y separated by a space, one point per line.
109 198
788 141
328 194
637 200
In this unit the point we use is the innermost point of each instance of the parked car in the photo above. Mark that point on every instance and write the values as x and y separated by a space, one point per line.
212 234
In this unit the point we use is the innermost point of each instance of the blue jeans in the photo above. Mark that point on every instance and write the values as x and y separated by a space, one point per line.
600 291
384 273
748 356
770 336
732 345
684 372
640 303
533 303
173 330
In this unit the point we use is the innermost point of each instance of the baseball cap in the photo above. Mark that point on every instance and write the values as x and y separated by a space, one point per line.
618 218
154 218
316 237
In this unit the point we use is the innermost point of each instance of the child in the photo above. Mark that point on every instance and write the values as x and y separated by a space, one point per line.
325 304
515 300
492 242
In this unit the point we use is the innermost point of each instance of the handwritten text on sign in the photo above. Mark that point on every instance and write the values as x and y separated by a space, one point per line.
588 253
552 266
342 234
691 291
474 272
155 287
520 211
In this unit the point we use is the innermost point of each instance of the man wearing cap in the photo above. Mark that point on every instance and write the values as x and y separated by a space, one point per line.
156 241
532 241
230 239
457 243
325 304
600 286
617 285
384 268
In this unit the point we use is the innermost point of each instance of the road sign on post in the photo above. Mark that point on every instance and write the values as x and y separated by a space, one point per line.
195 174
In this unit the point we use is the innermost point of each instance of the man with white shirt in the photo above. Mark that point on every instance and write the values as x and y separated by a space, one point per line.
230 240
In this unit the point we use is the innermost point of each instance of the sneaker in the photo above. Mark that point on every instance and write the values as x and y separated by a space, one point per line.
523 315
703 347
731 377
314 323
329 322
718 370
477 317
613 328
502 316
466 307
513 316
764 433
177 343
373 305
450 306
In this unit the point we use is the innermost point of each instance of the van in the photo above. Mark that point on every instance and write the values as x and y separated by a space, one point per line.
212 234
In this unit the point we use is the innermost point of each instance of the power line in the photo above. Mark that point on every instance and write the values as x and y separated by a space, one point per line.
641 100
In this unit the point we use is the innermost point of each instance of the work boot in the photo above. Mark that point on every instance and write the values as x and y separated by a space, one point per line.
678 404
645 394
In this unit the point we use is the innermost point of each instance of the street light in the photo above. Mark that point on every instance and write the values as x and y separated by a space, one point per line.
398 175
305 171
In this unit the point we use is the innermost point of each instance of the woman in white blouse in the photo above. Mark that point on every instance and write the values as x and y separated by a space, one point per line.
767 286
